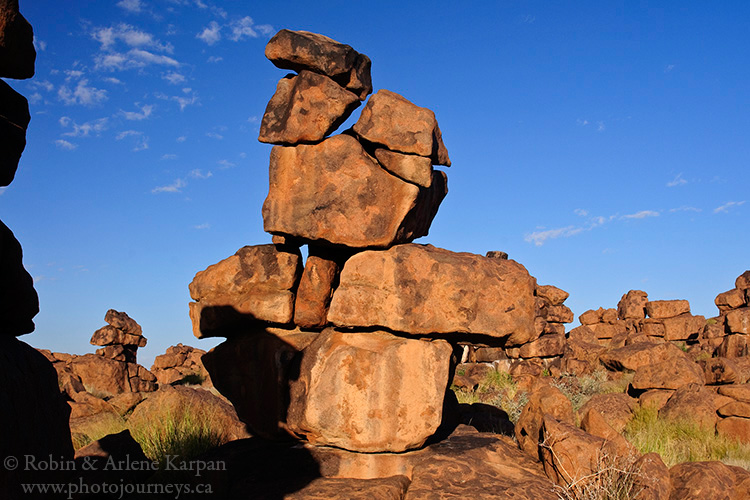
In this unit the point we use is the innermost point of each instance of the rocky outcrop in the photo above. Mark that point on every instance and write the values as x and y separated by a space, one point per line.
180 364
17 53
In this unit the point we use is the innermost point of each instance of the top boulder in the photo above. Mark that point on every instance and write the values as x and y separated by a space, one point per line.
302 50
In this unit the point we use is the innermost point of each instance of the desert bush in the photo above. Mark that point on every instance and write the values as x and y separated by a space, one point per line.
579 389
682 441
614 478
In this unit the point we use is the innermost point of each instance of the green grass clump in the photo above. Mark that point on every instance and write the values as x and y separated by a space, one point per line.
96 428
682 441
497 389
579 389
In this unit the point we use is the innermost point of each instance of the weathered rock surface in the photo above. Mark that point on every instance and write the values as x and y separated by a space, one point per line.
109 335
19 302
302 50
392 121
14 119
543 347
555 296
682 327
691 403
255 284
736 428
316 287
731 299
738 321
669 374
369 392
594 423
634 356
411 168
632 305
334 192
17 53
568 453
305 109
723 371
253 370
177 363
705 481
544 399
616 409
422 289
653 478
660 309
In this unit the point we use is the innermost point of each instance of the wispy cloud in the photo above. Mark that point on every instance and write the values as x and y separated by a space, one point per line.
210 34
214 135
205 225
174 78
169 157
67 146
175 187
539 237
224 164
183 101
677 181
685 208
726 206
214 59
641 215
581 212
130 36
136 116
668 68
600 127
141 140
83 94
124 47
182 138
95 127
246 28
134 6
199 174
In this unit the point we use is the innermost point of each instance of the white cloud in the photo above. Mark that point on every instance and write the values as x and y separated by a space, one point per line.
539 237
641 215
205 225
93 126
113 80
182 138
677 181
668 68
214 59
253 119
174 78
685 208
169 157
581 122
141 140
175 187
134 115
39 45
36 98
130 36
83 94
72 73
726 206
63 144
127 133
242 28
211 33
214 135
134 6
600 126
43 84
183 101
581 212
198 174
226 164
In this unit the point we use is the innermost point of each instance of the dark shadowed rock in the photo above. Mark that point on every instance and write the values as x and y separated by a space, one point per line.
19 302
17 53
305 109
255 284
722 371
423 289
14 118
334 192
387 488
392 121
109 335
369 391
122 321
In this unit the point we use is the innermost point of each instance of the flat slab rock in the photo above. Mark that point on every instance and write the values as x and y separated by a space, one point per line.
421 289
334 192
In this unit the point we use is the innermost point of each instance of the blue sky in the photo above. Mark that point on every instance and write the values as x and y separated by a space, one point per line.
601 144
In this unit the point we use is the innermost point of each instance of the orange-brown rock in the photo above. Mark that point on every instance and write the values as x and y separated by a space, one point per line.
305 109
125 353
733 346
691 403
544 347
706 481
669 374
568 453
653 478
655 398
632 305
580 357
683 327
17 53
369 391
660 309
740 392
735 409
738 321
470 375
109 335
633 356
594 423
334 192
608 330
582 333
255 284
253 370
122 321
544 399
616 409
14 119
101 376
743 281
722 371
653 327
302 50
19 302
559 314
553 295
180 363
423 289
411 168
731 299
592 316
316 288
392 121
736 428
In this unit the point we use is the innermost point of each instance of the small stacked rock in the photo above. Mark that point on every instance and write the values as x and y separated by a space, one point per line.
729 332
179 363
353 347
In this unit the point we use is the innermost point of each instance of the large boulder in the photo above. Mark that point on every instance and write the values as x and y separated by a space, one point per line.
392 121
255 284
691 403
180 363
17 53
544 400
19 302
411 168
420 289
569 454
653 478
305 109
738 321
660 309
303 50
632 305
369 391
668 374
616 409
334 192
706 481
14 119
633 356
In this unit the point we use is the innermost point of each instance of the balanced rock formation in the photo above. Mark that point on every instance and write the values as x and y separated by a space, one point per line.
180 364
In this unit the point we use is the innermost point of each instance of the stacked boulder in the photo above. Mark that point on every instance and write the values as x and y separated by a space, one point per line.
729 332
180 364
353 348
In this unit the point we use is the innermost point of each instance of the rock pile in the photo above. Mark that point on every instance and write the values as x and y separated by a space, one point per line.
353 349
181 363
